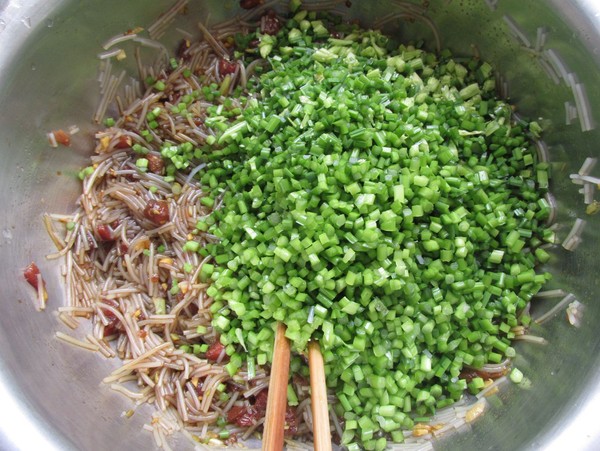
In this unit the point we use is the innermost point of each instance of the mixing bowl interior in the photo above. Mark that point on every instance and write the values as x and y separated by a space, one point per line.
48 70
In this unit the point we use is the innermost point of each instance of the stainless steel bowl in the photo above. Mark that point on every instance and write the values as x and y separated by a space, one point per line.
51 395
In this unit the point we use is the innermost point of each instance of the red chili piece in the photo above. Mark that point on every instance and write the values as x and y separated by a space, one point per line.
124 142
214 351
260 403
31 275
245 416
156 164
157 211
249 415
105 233
114 325
62 137
227 67
242 416
270 24
469 374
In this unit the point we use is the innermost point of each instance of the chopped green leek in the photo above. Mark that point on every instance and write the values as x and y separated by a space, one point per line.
379 199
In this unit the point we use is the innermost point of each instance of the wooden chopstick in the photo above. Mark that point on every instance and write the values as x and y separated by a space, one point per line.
277 400
318 397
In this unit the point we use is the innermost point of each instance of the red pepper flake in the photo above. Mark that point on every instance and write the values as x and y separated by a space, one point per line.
214 351
124 142
260 403
245 416
156 164
31 274
470 373
62 137
114 325
270 23
33 278
250 415
238 415
59 137
227 67
157 211
105 233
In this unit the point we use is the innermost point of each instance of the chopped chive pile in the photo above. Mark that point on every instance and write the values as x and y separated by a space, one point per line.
381 200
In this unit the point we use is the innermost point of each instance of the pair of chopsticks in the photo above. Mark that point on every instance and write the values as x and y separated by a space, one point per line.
277 400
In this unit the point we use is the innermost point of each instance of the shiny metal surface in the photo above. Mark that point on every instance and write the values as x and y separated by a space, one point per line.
51 395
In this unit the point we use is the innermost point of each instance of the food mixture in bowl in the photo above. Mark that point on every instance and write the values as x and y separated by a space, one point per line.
292 167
